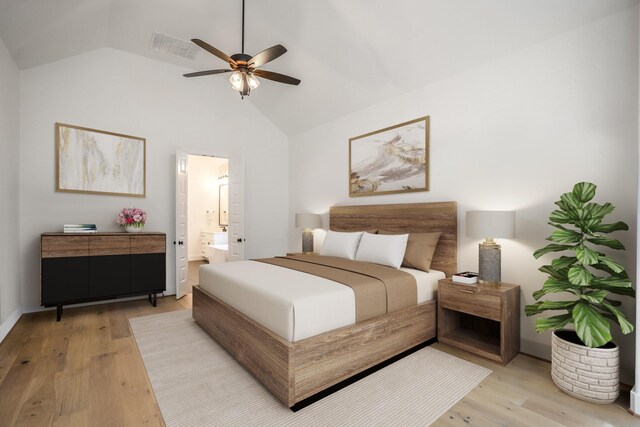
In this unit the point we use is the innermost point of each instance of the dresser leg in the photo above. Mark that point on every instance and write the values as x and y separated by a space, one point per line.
153 300
58 313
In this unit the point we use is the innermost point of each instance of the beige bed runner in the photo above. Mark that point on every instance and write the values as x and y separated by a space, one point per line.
378 289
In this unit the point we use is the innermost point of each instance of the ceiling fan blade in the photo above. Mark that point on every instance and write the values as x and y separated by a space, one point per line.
267 55
206 73
212 50
276 77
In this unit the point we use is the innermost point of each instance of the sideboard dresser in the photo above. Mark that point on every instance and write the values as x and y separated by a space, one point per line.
77 268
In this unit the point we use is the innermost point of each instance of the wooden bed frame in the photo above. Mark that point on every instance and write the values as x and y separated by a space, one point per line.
295 371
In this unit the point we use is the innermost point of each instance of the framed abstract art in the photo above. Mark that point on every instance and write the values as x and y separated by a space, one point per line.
390 160
99 162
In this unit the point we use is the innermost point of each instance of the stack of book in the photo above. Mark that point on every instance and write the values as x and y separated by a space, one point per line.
466 277
80 228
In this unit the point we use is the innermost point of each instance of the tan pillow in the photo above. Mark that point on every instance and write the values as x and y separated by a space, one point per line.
420 249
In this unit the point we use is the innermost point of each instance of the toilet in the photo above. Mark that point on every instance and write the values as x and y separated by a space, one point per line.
218 250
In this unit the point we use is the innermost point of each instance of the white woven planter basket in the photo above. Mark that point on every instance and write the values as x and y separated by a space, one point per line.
590 374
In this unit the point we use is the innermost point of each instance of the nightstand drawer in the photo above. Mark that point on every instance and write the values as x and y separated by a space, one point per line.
471 300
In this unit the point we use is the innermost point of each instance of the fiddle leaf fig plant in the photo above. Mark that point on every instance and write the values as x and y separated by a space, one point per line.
589 276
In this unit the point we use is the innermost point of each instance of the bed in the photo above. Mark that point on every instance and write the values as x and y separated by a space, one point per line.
296 370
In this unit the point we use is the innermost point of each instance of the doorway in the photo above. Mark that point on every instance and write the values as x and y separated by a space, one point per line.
209 207
208 202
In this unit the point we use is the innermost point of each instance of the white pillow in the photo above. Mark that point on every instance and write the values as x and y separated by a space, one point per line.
382 249
343 245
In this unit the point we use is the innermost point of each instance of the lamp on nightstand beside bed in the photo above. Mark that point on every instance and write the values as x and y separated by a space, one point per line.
308 221
489 225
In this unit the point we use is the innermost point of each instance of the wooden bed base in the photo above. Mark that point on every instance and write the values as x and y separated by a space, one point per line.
295 371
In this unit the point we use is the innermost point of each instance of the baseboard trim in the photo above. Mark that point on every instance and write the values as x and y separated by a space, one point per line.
634 401
9 323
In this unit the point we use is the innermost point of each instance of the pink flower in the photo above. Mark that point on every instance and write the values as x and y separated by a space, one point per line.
131 216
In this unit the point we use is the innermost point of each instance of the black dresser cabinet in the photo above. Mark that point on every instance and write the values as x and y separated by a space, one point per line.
81 268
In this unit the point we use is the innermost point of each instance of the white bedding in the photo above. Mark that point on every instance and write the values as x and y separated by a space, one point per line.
290 303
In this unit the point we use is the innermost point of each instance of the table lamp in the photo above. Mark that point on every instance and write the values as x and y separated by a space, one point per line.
489 225
308 221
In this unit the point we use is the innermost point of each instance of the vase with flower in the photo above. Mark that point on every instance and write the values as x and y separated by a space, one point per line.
132 219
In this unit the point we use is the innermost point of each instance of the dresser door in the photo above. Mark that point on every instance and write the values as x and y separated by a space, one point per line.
148 273
148 263
64 269
64 280
109 276
109 266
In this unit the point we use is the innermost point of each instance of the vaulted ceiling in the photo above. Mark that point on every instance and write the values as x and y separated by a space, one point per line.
348 53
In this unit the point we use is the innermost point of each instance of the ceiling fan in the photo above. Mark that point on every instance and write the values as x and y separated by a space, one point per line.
244 68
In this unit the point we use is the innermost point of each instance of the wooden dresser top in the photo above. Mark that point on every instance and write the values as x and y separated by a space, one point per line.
106 233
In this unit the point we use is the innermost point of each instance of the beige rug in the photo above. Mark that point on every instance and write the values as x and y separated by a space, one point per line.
197 383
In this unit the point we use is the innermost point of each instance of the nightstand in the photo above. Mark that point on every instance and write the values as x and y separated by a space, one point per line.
301 253
483 319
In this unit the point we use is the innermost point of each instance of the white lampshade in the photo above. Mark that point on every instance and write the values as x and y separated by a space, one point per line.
491 224
308 220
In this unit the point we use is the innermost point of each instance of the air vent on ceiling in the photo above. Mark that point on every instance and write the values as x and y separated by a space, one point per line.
171 45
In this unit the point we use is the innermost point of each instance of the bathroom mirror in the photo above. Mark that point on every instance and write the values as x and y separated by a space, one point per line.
223 195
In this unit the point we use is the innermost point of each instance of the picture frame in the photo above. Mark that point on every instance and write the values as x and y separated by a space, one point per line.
93 161
390 160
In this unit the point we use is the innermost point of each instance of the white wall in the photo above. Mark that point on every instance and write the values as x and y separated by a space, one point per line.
203 196
635 391
10 298
510 135
112 90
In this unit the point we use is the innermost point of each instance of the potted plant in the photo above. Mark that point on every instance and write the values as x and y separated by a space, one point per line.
585 361
132 219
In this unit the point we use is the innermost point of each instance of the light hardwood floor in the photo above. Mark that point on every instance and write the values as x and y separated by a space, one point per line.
86 371
193 274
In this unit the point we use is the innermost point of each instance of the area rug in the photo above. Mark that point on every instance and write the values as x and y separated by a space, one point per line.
197 383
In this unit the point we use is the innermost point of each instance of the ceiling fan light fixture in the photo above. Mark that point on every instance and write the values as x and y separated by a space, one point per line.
253 81
236 80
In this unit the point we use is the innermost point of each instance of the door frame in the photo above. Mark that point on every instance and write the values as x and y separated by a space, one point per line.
191 152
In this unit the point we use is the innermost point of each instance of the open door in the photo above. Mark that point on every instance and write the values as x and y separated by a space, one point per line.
182 194
235 219
236 208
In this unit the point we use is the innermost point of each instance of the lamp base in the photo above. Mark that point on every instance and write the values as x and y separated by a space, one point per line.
489 263
307 241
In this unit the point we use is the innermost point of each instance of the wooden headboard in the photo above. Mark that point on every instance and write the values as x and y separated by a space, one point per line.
407 217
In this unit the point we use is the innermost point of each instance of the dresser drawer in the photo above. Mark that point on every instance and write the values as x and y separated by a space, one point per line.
148 244
109 245
469 299
64 246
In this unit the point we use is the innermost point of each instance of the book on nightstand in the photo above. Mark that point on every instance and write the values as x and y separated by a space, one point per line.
466 277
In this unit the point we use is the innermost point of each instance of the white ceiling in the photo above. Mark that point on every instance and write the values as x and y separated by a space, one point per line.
349 54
